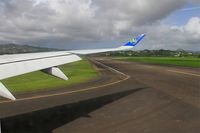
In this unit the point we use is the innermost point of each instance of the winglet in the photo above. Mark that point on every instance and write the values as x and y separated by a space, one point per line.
131 43
5 93
135 41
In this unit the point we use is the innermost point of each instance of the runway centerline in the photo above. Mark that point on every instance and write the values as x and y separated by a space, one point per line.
186 73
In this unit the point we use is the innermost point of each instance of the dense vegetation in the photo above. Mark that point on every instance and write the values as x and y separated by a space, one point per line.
178 61
165 57
155 53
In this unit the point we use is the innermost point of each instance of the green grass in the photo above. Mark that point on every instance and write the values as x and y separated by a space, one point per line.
178 61
77 72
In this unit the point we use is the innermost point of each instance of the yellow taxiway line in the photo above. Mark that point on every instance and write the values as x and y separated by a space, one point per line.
186 73
75 91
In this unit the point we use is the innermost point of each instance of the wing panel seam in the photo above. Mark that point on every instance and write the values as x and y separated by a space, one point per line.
35 59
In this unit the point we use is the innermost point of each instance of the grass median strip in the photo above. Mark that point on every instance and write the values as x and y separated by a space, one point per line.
185 61
77 72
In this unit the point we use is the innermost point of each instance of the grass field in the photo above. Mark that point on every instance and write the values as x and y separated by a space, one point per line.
178 61
77 72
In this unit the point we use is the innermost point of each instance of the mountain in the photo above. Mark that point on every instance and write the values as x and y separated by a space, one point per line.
15 48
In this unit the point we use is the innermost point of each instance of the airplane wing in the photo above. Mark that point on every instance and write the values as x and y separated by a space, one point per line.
13 65
127 46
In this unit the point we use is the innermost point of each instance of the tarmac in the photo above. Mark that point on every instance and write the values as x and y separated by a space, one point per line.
128 97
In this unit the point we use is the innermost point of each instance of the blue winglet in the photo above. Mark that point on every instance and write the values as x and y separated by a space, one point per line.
135 41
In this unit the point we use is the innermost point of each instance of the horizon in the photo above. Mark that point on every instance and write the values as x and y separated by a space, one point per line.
178 49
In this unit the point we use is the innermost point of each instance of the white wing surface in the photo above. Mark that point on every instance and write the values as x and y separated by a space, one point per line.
13 65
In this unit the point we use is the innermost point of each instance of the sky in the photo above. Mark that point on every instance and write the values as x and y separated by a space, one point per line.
82 24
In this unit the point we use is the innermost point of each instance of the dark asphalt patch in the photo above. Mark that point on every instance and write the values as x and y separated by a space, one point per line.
52 118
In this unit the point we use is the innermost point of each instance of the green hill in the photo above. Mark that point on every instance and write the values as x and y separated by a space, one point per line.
15 48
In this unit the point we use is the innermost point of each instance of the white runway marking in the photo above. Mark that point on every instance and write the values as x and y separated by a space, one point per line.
186 73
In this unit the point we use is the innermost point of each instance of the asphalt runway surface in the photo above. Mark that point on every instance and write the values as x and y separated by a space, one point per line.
129 97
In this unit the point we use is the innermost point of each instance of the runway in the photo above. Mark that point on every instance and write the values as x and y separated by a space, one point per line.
129 97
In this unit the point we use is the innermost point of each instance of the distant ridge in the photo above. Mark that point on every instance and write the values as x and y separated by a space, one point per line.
16 48
155 53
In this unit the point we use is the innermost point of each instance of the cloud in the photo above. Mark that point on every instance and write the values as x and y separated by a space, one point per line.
174 37
193 26
66 23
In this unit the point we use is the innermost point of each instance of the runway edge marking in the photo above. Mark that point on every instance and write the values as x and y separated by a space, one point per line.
186 73
75 91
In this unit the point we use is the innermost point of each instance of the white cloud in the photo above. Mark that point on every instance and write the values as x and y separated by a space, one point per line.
174 37
193 26
59 23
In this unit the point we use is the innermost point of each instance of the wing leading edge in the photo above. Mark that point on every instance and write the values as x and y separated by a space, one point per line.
13 65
